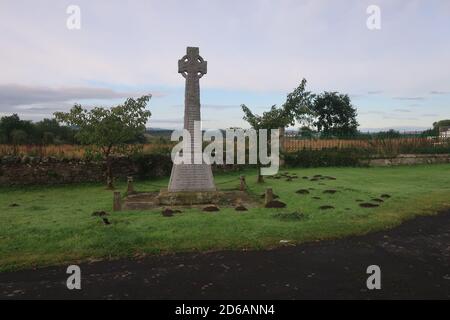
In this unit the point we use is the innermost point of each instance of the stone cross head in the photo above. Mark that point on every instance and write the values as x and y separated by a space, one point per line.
192 64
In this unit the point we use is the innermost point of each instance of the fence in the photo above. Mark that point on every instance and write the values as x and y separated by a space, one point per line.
386 145
67 151
291 143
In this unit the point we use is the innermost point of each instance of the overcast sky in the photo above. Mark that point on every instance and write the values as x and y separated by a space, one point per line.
257 52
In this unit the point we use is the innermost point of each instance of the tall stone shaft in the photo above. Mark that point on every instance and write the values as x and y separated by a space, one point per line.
192 177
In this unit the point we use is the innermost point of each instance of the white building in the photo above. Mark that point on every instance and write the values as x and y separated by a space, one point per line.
444 132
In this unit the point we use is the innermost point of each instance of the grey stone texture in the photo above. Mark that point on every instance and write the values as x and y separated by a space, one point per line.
192 177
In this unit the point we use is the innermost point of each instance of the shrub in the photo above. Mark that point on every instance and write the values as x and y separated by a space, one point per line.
153 165
325 158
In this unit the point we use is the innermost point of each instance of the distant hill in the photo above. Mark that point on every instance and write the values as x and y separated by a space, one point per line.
158 132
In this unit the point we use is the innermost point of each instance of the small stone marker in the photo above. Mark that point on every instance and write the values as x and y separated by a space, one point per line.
269 196
242 183
130 186
117 202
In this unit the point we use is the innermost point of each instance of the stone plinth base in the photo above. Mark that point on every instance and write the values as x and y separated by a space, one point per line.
191 178
188 197
155 200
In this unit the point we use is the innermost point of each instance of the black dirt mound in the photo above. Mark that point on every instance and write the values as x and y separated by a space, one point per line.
314 179
305 177
317 176
275 196
211 208
169 212
290 216
275 204
326 207
302 191
13 205
329 178
240 208
289 179
377 200
317 198
359 200
106 221
331 191
385 196
99 213
368 205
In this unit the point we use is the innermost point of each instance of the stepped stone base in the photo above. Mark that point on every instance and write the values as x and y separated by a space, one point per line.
188 197
191 178
153 200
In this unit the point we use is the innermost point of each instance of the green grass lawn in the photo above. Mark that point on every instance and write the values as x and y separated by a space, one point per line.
53 225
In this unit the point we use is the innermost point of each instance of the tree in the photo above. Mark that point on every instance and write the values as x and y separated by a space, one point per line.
109 129
335 115
9 124
297 107
306 132
391 133
442 123
48 138
18 136
50 131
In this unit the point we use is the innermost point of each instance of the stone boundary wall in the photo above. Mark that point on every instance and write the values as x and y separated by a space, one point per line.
49 171
17 171
407 159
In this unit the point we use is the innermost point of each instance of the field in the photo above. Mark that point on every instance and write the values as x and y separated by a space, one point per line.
390 146
290 144
53 225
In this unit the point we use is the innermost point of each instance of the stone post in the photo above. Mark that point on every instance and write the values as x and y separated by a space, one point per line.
242 185
282 149
117 201
268 196
130 186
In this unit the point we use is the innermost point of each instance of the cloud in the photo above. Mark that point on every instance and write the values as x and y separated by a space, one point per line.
394 117
15 95
372 112
402 110
439 92
171 121
429 115
409 98
220 107
249 51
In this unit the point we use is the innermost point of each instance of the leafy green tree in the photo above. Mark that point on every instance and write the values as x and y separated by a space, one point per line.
297 107
335 115
50 131
434 132
437 126
8 124
306 132
442 123
18 136
109 129
48 138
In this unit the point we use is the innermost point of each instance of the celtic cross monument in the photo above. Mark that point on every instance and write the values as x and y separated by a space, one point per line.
192 177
